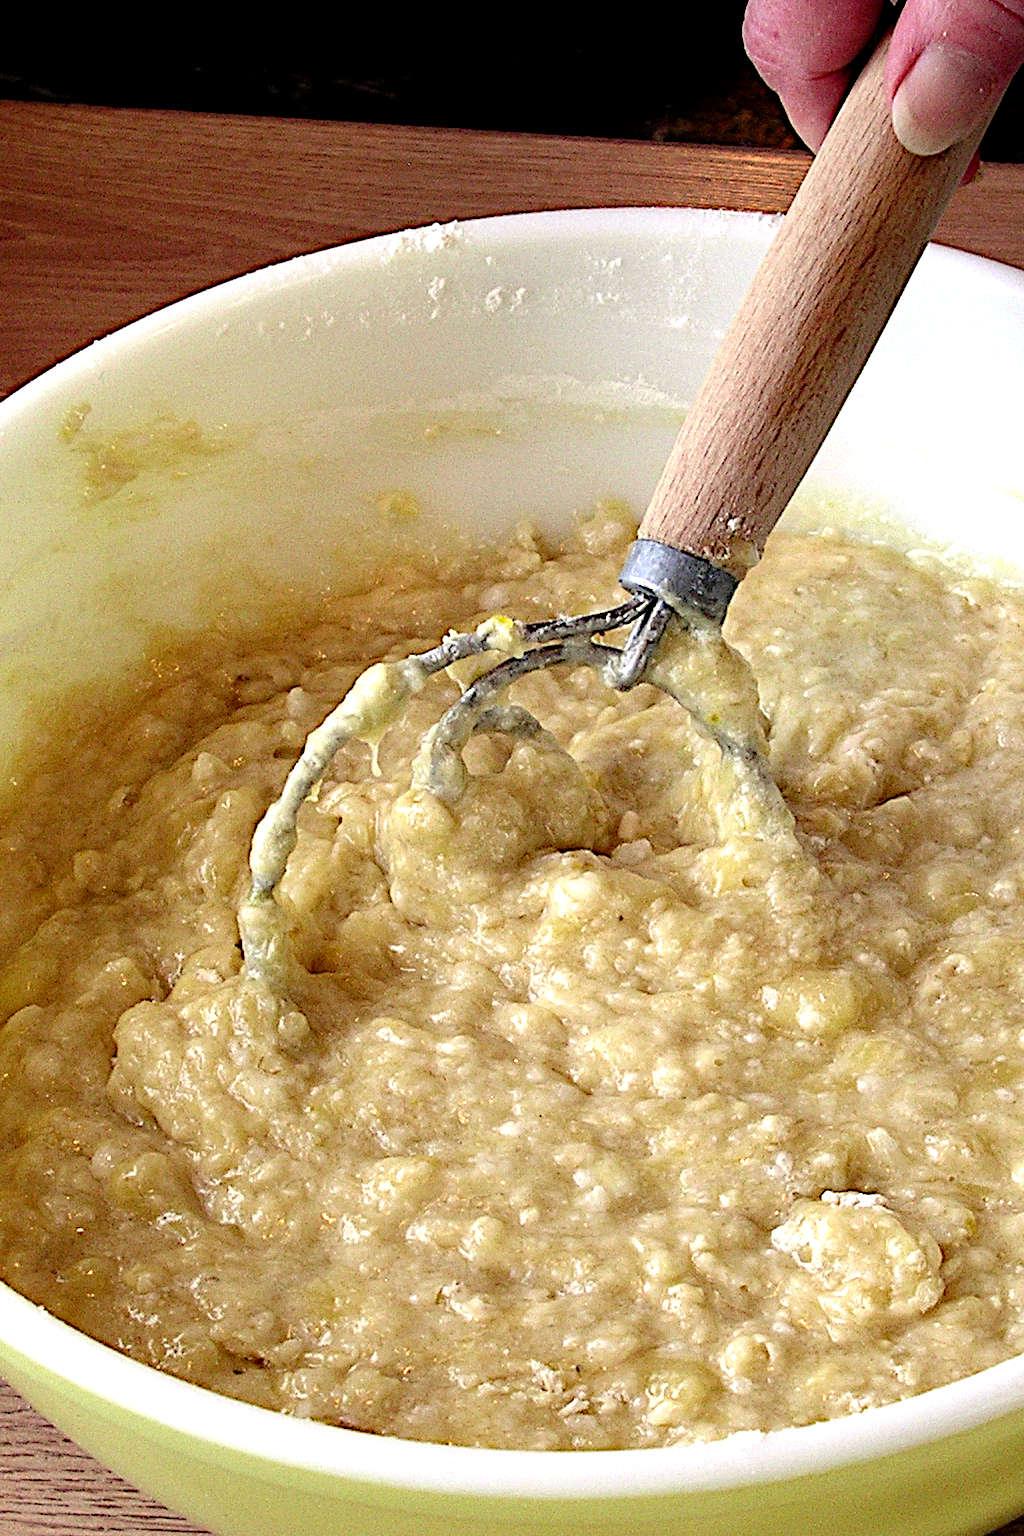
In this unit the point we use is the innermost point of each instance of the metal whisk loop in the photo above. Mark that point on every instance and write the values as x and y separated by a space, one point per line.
665 583
440 769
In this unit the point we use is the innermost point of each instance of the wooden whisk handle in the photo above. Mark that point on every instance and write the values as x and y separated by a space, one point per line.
817 305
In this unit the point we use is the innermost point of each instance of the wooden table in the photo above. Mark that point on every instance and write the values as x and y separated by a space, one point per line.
107 214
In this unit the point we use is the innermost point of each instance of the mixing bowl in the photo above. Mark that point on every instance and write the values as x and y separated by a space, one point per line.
250 441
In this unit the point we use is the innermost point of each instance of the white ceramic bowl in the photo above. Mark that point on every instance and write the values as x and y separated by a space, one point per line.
555 351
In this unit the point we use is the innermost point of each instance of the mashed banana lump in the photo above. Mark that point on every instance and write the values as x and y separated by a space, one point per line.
595 1115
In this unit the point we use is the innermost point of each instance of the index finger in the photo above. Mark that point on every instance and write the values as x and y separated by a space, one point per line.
804 50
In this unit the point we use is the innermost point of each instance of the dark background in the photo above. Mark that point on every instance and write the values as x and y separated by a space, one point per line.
496 71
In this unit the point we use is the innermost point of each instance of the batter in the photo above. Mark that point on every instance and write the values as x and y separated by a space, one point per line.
590 1115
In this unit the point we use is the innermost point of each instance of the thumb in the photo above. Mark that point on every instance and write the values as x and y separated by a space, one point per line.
949 63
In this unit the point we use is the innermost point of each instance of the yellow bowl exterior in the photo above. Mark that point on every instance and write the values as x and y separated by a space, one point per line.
971 1482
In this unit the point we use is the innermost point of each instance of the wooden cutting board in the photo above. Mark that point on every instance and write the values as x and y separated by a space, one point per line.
106 214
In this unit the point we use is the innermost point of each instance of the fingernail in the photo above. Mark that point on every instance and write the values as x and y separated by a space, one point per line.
942 100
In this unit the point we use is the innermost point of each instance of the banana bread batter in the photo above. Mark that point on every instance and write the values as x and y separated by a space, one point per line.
592 1116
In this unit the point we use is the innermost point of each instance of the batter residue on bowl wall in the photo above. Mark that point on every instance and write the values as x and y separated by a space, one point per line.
595 1119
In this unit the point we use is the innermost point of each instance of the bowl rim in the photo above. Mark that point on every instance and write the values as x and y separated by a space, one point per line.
43 1342
741 1460
497 232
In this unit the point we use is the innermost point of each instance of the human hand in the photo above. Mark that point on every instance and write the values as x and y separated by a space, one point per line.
948 65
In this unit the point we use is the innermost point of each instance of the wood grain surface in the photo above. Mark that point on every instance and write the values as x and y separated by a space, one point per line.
106 214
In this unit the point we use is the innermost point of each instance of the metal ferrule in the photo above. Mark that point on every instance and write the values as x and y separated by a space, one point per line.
684 582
